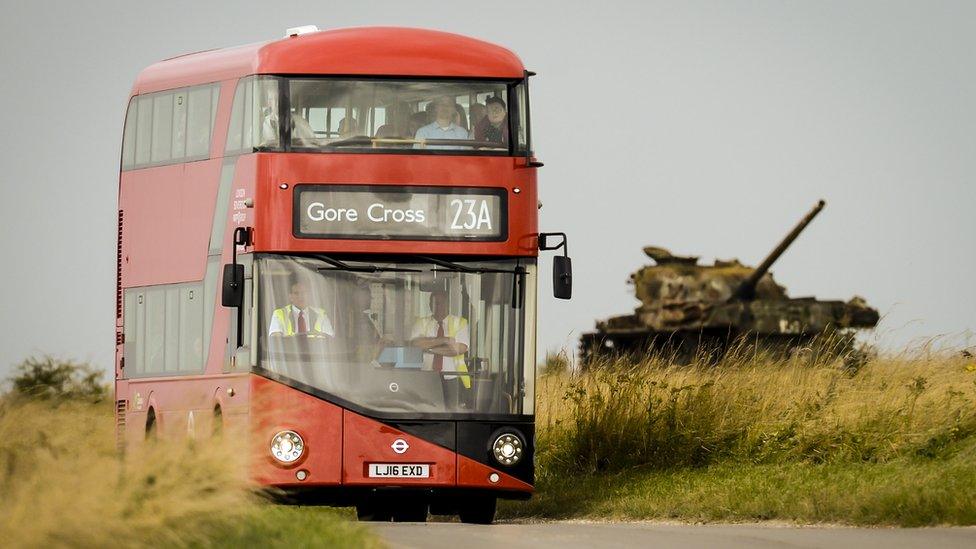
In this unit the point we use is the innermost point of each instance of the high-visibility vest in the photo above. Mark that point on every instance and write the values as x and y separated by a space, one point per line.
320 326
452 325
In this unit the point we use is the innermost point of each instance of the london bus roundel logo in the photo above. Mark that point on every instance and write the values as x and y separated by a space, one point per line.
399 446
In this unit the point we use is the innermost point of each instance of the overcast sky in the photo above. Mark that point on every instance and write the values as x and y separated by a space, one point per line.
706 127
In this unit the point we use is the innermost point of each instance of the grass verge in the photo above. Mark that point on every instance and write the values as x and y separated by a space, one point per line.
892 443
898 493
291 526
62 484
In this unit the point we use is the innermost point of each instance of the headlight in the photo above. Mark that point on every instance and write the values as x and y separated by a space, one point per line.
287 446
507 449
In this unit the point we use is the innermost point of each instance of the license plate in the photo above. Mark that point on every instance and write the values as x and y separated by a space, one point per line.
399 470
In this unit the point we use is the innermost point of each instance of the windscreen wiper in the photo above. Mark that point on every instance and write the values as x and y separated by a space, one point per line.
342 266
450 266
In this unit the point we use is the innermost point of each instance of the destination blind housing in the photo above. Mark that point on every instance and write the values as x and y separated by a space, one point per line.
400 213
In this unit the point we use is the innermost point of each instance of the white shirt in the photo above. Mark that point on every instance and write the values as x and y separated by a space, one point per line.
311 317
427 327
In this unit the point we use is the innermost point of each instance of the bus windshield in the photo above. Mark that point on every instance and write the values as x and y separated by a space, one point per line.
415 336
379 115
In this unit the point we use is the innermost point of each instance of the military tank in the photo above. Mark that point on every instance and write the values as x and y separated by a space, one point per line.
689 309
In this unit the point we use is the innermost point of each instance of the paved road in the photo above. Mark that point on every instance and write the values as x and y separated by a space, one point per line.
572 535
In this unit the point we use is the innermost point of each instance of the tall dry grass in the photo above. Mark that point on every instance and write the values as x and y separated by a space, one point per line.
753 408
62 482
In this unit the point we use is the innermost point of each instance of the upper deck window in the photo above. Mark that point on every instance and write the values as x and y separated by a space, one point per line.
380 115
169 127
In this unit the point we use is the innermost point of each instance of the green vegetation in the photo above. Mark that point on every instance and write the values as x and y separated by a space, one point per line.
46 378
62 482
890 442
289 527
904 492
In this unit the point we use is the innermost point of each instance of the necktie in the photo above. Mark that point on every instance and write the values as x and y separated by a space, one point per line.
439 359
302 327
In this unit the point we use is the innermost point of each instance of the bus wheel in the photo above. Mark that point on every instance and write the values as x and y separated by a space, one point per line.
217 427
151 425
373 511
478 510
411 511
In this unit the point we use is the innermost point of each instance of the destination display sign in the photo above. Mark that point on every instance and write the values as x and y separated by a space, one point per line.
400 213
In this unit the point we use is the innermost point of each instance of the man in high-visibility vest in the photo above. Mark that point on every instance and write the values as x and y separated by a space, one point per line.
297 318
444 338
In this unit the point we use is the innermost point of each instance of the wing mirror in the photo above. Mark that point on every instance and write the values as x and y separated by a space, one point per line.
232 294
233 286
562 265
232 290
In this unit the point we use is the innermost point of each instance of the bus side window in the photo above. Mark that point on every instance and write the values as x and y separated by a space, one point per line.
198 123
263 104
169 127
214 101
166 329
143 130
235 131
179 124
129 136
162 140
521 97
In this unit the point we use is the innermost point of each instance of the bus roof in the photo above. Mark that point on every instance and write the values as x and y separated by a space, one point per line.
373 51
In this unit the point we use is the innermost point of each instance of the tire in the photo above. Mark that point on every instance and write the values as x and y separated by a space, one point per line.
152 432
217 427
478 511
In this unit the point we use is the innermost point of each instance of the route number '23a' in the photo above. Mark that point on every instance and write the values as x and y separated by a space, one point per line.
469 216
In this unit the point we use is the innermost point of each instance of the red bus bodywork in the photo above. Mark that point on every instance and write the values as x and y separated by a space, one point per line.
165 217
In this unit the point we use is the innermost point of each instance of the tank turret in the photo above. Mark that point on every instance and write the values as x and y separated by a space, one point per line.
685 306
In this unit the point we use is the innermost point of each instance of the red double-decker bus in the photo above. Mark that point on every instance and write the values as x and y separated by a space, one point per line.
328 242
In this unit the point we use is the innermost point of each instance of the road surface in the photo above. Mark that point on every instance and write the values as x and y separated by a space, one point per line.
572 535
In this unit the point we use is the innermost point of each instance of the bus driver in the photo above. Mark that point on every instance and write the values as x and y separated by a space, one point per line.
444 339
297 318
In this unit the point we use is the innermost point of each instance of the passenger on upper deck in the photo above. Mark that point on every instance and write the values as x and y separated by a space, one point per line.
396 122
461 119
494 126
476 112
301 131
348 127
443 126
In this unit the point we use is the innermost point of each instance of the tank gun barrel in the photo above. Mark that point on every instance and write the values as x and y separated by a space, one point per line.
747 290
